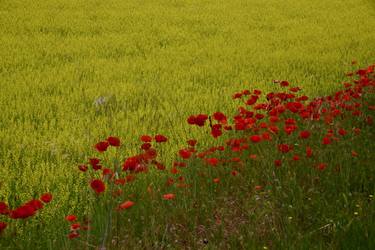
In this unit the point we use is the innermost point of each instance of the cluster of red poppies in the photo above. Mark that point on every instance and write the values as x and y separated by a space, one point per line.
286 116
112 178
76 226
295 126
25 210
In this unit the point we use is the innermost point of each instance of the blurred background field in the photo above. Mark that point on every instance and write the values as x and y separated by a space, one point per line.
73 72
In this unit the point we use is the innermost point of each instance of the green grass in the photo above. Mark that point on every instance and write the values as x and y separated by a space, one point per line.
155 62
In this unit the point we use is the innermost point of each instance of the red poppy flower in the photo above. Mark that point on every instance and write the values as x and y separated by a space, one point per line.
316 117
290 121
73 235
246 92
263 125
179 164
120 181
342 132
192 143
198 120
130 178
354 153
236 159
285 148
102 146
305 114
304 134
36 204
107 171
125 205
201 119
369 120
184 153
22 212
284 83
82 168
326 141
169 196
302 98
296 158
141 168
234 173
255 138
181 179
356 113
191 120
237 95
259 116
274 118
75 226
3 208
150 154
94 161
131 163
309 152
71 217
294 107
98 186
216 180
295 89
290 129
266 136
216 131
146 138
160 166
174 170
113 141
220 117
278 163
253 156
160 138
146 146
357 131
212 161
336 112
322 166
46 198
3 225
274 129
252 100
97 167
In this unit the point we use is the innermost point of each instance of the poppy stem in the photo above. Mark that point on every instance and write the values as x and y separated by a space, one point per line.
110 205
109 223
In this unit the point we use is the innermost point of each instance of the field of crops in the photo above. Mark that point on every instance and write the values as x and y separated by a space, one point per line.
73 72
